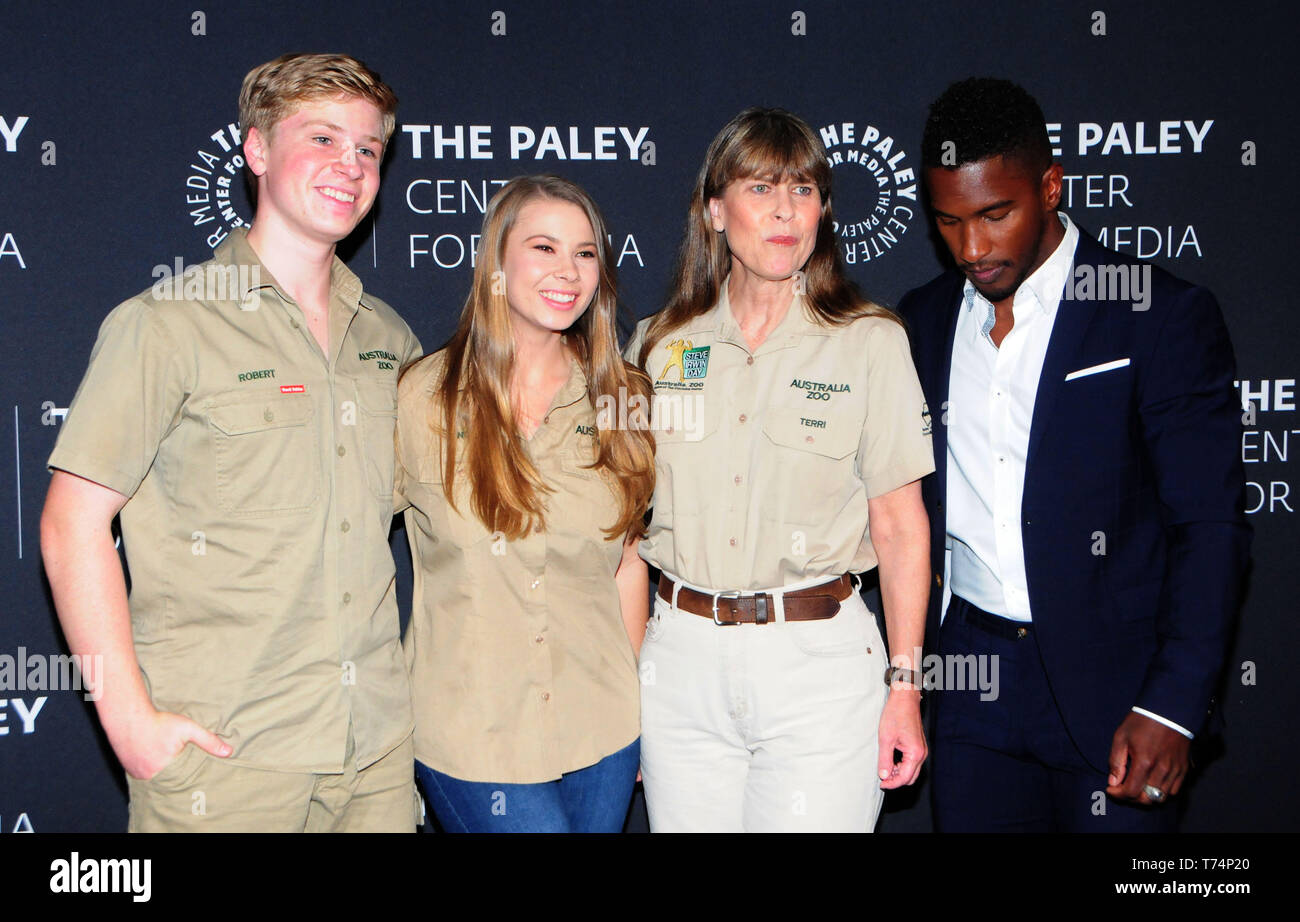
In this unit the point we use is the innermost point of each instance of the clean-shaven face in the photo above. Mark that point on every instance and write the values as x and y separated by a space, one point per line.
319 167
770 226
551 264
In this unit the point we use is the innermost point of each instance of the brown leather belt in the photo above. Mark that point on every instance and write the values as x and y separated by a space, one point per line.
816 603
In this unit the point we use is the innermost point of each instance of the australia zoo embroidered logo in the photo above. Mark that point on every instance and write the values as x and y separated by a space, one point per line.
690 362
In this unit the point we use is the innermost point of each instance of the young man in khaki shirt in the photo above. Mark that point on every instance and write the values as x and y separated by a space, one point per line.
240 419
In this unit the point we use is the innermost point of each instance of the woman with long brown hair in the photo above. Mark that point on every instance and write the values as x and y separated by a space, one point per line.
791 438
530 598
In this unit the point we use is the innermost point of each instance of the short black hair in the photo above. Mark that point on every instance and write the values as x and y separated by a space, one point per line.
985 117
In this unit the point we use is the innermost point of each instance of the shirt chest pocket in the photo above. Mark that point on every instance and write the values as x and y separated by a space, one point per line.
376 419
266 455
813 475
684 423
583 501
460 526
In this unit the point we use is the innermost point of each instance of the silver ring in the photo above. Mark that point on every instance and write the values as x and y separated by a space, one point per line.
1153 792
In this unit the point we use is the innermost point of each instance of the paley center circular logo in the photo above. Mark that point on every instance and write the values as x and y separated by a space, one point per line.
875 194
215 200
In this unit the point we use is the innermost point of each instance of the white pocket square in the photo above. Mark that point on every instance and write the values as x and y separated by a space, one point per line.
1096 369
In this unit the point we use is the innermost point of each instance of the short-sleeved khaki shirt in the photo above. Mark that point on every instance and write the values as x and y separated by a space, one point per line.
765 460
521 668
260 481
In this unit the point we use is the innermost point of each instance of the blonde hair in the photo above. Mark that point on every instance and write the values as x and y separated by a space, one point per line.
272 91
474 393
771 144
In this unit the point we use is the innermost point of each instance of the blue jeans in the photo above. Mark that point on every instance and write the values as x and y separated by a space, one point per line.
591 799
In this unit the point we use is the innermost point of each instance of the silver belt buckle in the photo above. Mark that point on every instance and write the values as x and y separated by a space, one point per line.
731 594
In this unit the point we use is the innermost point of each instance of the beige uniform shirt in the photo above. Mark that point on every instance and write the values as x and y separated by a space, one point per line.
765 459
260 476
521 668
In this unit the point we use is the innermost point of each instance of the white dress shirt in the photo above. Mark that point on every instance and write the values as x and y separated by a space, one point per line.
991 394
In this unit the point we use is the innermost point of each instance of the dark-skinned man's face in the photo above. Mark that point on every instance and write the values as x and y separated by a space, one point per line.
998 220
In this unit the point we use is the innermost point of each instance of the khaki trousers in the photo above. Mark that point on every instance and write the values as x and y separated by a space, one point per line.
196 792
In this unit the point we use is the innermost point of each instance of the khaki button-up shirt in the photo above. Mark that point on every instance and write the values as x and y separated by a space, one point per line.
259 473
521 668
765 459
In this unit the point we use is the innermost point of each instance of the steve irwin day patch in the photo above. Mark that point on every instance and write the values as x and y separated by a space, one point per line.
695 362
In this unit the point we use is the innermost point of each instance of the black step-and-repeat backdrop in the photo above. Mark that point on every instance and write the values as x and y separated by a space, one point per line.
120 158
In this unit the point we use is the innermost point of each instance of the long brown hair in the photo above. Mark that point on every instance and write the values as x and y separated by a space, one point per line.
473 395
771 144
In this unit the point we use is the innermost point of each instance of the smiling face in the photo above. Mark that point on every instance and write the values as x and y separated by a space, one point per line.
318 169
771 227
551 265
998 220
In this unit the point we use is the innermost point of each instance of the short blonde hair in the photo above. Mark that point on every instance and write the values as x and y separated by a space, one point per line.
272 91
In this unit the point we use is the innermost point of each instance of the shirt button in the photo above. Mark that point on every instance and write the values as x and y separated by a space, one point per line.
345 526
1001 460
342 451
294 324
808 438
347 597
546 696
739 479
668 431
749 360
534 584
743 417
538 639
268 415
537 529
732 542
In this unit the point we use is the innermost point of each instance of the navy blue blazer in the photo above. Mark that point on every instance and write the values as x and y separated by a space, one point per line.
1147 454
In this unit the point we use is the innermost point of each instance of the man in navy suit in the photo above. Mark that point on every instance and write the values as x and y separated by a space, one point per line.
1088 540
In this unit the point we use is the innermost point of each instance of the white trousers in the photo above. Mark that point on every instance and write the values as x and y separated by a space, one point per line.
762 728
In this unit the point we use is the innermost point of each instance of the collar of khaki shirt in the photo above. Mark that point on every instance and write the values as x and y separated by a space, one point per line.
573 389
720 320
237 251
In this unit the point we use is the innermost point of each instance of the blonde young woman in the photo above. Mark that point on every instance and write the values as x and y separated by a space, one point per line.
530 598
766 704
